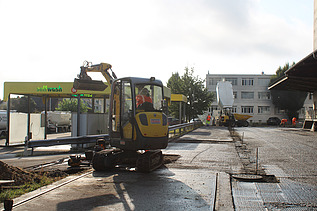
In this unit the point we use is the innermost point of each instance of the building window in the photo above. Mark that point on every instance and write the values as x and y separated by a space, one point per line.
234 109
264 96
280 111
214 81
234 81
247 95
247 109
247 81
310 96
213 107
264 81
263 109
302 111
235 95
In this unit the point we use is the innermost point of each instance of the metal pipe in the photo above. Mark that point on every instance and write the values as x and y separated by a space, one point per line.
93 104
104 104
29 120
78 115
8 121
45 117
180 112
257 160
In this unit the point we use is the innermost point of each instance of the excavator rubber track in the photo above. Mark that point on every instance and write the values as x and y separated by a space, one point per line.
149 161
144 162
104 160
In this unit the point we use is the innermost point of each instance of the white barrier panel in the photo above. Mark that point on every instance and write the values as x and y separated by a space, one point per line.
18 128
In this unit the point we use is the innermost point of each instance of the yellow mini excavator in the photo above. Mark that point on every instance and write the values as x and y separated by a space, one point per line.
138 127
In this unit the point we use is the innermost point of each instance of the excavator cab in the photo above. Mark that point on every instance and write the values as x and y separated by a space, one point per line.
137 121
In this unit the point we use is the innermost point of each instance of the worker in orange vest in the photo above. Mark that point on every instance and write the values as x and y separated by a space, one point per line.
208 120
294 121
283 122
143 96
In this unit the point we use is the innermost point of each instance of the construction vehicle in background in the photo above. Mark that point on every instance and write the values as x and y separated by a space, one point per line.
138 129
57 121
241 119
225 101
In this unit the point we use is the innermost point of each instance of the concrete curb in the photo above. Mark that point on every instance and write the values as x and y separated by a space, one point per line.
224 201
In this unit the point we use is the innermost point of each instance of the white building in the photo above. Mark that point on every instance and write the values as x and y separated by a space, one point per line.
251 96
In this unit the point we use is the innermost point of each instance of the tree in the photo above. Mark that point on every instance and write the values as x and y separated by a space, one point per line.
280 72
288 100
198 97
3 105
20 104
71 105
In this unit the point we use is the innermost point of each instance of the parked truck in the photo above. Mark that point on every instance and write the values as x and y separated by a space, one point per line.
58 121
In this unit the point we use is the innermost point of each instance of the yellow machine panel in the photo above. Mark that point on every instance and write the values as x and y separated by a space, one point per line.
151 124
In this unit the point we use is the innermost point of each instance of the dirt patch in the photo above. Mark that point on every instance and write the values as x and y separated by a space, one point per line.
21 176
17 174
170 158
247 158
56 173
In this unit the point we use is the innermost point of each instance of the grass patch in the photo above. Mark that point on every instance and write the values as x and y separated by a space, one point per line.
28 187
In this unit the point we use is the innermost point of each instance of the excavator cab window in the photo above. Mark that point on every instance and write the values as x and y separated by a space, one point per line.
126 110
121 105
149 97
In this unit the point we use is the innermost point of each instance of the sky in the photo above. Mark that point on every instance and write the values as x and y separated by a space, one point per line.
48 41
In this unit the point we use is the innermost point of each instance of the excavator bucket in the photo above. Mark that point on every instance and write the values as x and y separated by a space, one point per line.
92 85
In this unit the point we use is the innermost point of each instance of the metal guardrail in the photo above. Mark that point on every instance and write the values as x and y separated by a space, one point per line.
176 130
64 141
180 129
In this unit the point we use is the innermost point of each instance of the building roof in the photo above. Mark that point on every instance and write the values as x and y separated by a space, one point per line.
302 76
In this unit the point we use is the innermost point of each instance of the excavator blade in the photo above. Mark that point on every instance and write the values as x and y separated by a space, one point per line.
92 85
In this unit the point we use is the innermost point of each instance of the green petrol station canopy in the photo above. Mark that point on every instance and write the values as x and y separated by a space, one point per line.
50 89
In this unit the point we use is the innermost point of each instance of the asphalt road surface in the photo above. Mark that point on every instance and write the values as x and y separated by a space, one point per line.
290 151
290 155
189 182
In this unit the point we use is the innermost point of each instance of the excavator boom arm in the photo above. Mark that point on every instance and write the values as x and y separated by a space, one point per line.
103 68
84 82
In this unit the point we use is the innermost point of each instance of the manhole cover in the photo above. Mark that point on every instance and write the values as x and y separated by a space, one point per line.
247 177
